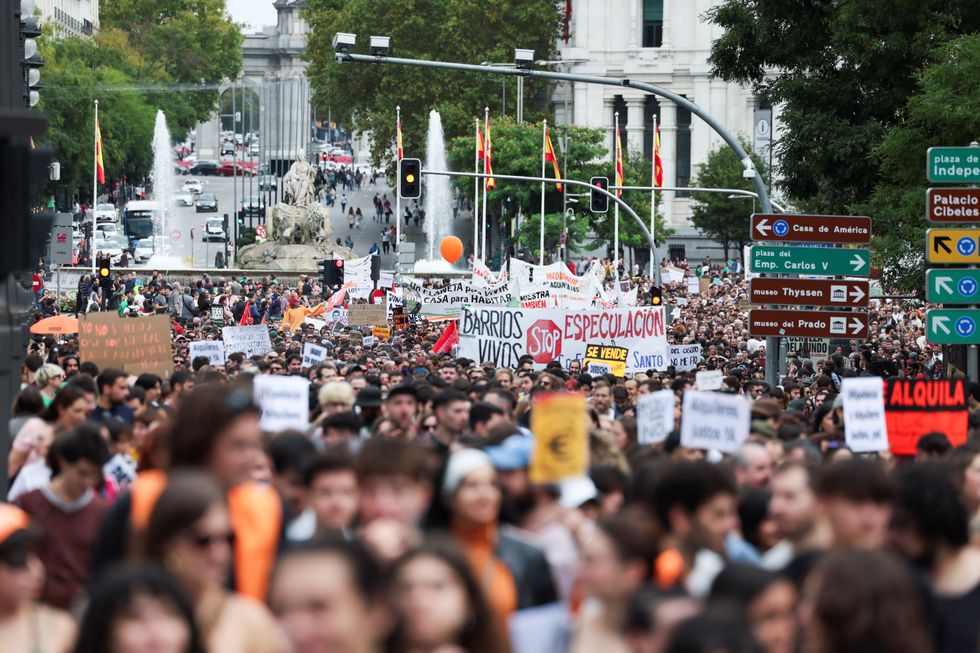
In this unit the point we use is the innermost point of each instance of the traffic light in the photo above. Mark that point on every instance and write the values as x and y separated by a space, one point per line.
656 296
375 267
29 31
410 179
598 202
331 272
105 272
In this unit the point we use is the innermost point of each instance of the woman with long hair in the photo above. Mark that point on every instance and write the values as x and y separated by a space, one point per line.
190 534
438 603
68 409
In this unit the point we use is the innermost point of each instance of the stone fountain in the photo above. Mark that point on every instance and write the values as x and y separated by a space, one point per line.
298 229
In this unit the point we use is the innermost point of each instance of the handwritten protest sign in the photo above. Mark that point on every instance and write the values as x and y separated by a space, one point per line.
313 354
613 358
561 437
367 314
284 401
381 333
134 345
654 416
864 414
709 379
714 420
685 358
213 349
247 340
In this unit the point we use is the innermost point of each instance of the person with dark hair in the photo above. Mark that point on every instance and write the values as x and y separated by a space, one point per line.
717 630
26 625
768 602
757 533
152 385
856 601
931 529
289 453
617 560
793 509
439 604
69 511
401 407
931 446
190 533
68 409
113 390
695 505
331 485
856 496
181 382
483 417
329 595
138 608
340 429
452 411
27 404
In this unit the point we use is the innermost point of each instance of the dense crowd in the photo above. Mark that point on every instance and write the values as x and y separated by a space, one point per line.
154 514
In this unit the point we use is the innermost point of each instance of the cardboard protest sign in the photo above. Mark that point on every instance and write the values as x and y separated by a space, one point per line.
714 420
709 379
502 335
284 401
132 344
246 340
561 437
381 333
916 407
367 314
313 354
399 317
213 349
654 416
612 357
864 414
685 357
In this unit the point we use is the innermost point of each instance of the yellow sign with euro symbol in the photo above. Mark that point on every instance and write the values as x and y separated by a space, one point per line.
953 245
561 437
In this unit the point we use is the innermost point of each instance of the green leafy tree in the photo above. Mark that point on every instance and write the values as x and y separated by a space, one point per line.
529 234
725 218
841 72
472 31
946 111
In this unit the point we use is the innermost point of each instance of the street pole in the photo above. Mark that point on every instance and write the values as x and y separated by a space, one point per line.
520 100
95 179
486 158
234 186
476 191
653 193
544 140
564 190
398 191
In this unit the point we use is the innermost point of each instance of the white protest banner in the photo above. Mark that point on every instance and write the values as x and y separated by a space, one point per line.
714 420
864 414
693 286
654 416
685 357
318 325
369 341
448 299
213 349
502 335
283 400
708 380
313 354
248 340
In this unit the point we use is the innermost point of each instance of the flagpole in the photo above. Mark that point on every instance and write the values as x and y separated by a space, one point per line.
486 157
398 190
616 209
544 140
653 194
95 181
476 191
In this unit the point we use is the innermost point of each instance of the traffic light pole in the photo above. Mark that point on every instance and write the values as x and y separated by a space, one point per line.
772 344
574 182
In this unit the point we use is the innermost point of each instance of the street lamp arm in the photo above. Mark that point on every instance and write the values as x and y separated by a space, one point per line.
696 189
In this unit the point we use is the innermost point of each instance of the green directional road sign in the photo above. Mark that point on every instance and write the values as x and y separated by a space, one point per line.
825 261
951 286
950 326
953 165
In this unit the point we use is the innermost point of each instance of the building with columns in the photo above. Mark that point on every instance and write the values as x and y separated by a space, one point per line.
70 17
666 43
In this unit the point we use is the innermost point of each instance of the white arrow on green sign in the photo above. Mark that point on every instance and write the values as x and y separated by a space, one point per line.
950 286
810 260
953 326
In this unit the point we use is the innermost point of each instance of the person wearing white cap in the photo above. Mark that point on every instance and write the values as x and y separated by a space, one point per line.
513 572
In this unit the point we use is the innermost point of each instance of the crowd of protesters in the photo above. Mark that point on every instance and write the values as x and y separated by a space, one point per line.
153 514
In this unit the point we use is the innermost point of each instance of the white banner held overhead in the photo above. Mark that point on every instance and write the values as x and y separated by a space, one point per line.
685 358
714 420
313 354
864 414
654 416
213 349
708 380
284 401
247 340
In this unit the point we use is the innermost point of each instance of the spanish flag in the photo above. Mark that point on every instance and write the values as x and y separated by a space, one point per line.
480 149
549 155
398 129
658 163
619 163
488 159
99 165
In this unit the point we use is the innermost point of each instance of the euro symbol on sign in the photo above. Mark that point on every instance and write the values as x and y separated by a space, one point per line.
558 446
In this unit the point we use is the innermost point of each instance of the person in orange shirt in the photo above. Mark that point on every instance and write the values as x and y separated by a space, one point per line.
296 314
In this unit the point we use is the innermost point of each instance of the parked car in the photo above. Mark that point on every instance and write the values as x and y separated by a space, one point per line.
254 206
109 245
107 229
253 148
234 168
184 199
106 213
206 202
144 249
268 182
214 230
203 168
192 186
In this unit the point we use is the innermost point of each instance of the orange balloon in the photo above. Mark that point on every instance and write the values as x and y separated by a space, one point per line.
451 249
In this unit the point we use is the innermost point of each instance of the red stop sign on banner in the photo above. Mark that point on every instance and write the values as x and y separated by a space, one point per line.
36 283
377 296
544 341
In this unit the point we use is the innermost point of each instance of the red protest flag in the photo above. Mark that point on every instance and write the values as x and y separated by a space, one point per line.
449 338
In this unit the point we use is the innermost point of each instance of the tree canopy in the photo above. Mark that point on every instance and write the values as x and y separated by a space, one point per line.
471 31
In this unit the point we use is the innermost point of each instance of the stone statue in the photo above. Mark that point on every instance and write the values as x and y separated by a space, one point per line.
299 184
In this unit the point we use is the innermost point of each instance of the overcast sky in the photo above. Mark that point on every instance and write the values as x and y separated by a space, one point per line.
256 13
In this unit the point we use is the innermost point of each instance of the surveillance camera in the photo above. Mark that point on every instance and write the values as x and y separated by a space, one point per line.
749 173
380 46
344 41
523 58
